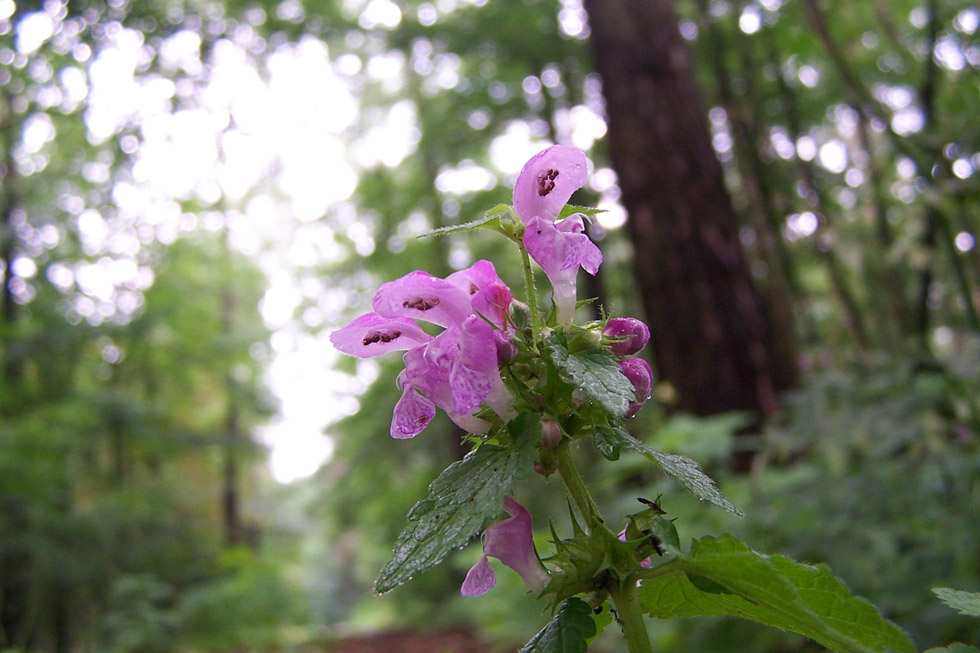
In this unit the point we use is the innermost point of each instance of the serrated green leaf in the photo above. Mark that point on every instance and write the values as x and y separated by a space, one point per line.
568 632
596 372
775 591
682 469
460 500
967 603
955 648
572 209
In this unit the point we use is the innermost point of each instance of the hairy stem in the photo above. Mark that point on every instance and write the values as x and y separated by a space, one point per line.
630 616
532 296
576 486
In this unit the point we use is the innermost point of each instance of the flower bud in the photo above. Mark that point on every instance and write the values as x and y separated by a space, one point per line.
506 349
635 333
550 433
640 375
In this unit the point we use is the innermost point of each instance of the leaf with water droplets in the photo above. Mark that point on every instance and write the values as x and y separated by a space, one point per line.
460 500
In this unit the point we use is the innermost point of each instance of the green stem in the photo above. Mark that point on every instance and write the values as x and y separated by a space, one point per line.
576 486
630 616
532 297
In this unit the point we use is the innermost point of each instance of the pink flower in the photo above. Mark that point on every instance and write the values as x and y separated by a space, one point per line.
511 542
543 187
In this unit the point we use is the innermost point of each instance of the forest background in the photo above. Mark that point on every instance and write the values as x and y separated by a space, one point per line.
195 193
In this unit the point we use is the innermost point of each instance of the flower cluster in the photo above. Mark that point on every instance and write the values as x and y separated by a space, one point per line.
456 370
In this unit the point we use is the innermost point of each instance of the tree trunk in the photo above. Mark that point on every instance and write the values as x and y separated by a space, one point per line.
712 339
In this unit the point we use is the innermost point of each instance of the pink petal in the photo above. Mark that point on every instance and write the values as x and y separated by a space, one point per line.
411 415
479 580
373 335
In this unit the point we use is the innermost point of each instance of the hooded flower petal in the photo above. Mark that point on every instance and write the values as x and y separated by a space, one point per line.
373 335
547 181
422 296
479 580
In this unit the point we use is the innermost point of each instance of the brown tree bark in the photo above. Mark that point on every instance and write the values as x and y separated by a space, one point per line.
712 338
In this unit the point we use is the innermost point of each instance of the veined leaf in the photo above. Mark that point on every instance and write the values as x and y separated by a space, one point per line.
568 632
722 576
967 603
596 373
460 500
609 441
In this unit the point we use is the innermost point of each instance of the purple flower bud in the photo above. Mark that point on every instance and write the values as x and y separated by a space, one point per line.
640 375
506 349
635 332
511 542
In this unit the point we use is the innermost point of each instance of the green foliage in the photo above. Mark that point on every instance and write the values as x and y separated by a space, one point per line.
464 496
569 631
723 576
967 603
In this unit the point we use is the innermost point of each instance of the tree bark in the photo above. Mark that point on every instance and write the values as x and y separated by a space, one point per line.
712 339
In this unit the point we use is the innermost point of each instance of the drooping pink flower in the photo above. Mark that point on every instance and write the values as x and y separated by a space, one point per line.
640 375
635 332
511 542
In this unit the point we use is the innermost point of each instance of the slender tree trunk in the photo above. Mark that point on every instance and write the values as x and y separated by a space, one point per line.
231 503
711 338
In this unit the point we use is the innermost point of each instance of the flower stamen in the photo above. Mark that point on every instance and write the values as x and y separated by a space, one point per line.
421 304
546 181
378 336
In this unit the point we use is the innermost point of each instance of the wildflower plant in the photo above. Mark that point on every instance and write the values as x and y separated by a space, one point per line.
527 385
